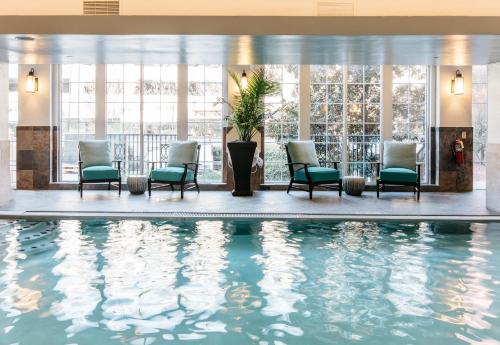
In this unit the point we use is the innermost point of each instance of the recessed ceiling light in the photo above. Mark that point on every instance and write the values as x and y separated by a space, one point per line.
69 56
24 38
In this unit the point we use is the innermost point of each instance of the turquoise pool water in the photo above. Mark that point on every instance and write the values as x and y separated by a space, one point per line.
248 282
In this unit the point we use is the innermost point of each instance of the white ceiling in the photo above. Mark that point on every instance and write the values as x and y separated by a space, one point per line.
247 40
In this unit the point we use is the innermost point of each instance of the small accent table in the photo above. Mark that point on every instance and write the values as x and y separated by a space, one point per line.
137 184
353 185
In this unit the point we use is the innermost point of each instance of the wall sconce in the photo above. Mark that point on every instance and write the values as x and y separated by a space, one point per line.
457 84
244 80
31 82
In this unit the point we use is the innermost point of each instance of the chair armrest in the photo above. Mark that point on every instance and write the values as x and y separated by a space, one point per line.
191 163
154 162
304 164
335 163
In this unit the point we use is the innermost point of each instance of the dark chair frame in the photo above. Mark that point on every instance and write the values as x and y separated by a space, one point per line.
183 182
108 181
382 183
310 183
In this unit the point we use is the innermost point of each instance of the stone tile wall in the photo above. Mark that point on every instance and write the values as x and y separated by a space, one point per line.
454 177
34 157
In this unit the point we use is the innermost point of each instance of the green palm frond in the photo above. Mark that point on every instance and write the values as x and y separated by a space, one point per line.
248 110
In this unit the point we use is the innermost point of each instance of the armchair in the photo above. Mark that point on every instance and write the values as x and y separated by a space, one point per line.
399 167
95 165
181 168
306 169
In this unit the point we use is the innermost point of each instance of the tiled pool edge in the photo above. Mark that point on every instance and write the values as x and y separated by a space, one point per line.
44 215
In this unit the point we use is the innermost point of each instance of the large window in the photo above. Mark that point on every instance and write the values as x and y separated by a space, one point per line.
409 119
363 120
283 125
480 123
205 118
138 108
141 113
78 114
345 116
13 118
327 106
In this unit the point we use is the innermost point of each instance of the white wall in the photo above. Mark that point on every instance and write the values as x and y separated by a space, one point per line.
35 108
454 110
5 189
494 103
260 7
4 101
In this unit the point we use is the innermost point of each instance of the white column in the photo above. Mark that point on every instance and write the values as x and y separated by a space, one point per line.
304 103
5 188
182 105
386 106
100 102
493 144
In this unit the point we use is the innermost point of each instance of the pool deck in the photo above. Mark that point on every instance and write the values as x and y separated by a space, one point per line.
264 204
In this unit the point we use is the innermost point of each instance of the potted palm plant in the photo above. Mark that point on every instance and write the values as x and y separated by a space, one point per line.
247 115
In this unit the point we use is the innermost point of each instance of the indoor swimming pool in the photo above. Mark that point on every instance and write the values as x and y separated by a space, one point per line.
265 282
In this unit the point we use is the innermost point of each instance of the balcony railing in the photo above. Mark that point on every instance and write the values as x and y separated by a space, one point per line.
134 153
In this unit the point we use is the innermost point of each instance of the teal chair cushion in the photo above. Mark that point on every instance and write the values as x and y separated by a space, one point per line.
171 174
398 175
318 174
400 155
181 152
302 152
100 173
95 153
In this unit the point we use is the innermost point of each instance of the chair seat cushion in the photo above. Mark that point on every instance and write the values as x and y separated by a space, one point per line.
171 174
318 174
398 175
100 172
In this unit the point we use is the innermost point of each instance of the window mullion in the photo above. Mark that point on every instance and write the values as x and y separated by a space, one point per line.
345 127
182 102
304 102
100 102
141 120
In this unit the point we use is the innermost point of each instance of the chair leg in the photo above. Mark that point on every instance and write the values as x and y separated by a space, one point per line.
172 187
182 190
80 188
311 187
149 187
418 192
378 189
289 186
197 187
109 185
340 188
119 187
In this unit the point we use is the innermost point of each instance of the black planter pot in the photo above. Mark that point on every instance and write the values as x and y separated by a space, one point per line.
242 153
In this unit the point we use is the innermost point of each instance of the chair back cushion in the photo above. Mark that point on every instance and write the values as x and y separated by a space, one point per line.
302 152
95 153
400 155
180 152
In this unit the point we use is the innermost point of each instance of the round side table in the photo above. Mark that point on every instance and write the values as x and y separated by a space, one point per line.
353 185
137 184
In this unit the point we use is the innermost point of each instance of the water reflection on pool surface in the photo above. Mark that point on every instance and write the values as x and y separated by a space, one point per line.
248 282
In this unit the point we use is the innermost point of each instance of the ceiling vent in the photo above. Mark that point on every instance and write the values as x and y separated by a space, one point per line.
335 8
101 8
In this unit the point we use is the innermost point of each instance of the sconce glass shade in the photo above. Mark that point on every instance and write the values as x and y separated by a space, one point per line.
31 82
244 80
457 84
